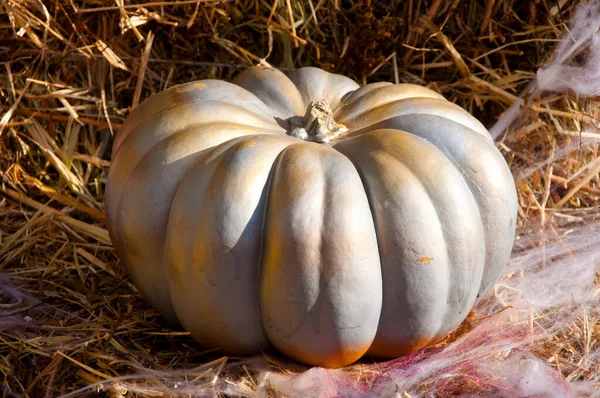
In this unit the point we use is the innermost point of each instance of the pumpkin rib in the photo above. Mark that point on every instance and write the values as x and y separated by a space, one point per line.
454 265
116 182
274 89
381 96
414 106
150 120
376 349
123 167
315 84
137 152
153 131
179 259
214 271
321 283
450 319
487 173
200 90
493 267
351 96
144 207
318 217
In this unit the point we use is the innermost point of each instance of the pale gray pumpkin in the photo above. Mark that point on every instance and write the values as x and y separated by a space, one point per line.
328 219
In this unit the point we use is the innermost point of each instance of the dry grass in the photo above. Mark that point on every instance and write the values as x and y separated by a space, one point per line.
71 71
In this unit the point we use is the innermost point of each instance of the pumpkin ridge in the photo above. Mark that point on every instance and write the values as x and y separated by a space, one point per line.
221 256
495 178
312 266
370 100
354 148
315 84
178 94
421 106
134 137
123 228
113 193
310 313
273 88
261 251
355 95
452 264
121 225
171 108
220 155
297 78
424 341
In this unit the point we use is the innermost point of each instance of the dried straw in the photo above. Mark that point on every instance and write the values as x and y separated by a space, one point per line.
72 324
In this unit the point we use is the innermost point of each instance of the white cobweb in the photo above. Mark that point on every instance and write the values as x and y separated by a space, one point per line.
575 65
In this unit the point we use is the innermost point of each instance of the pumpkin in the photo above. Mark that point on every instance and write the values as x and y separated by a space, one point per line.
326 219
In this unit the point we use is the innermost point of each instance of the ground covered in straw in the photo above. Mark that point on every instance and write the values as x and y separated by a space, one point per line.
70 73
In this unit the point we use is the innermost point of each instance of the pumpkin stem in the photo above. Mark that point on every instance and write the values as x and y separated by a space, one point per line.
316 125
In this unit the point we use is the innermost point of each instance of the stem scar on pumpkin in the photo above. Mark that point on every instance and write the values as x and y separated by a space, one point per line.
317 124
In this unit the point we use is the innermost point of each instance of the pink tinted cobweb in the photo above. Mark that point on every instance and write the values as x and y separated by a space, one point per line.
548 285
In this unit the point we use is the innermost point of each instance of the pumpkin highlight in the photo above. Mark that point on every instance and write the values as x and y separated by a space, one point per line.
309 213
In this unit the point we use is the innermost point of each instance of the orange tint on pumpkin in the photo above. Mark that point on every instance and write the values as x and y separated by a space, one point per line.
191 87
383 350
343 357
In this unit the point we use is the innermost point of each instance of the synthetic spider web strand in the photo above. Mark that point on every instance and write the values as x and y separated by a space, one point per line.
19 310
563 73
